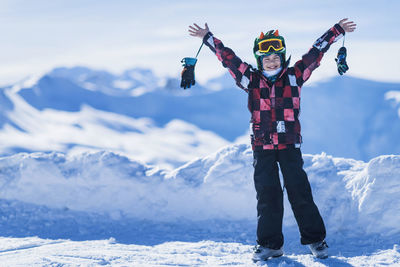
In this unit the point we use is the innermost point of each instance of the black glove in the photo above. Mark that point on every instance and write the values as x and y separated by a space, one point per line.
341 60
188 72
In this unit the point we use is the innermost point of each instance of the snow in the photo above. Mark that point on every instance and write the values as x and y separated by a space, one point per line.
31 129
40 252
364 110
124 170
103 208
65 109
108 83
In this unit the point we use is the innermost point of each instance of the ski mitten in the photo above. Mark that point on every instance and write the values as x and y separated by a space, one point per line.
187 75
341 61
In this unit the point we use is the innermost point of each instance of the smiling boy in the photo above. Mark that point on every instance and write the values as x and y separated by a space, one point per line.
274 103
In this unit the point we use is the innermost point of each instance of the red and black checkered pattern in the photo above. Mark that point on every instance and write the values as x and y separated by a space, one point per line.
275 108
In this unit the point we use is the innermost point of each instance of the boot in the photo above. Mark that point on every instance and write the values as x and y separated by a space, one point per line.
319 249
263 253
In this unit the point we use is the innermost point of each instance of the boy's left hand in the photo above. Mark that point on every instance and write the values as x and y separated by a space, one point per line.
348 26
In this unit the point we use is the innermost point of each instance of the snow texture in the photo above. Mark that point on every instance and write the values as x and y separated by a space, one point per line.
154 217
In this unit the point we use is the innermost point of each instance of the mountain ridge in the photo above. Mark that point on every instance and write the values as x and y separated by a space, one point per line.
343 116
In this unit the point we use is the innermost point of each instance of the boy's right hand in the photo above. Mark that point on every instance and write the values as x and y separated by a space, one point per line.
348 26
197 31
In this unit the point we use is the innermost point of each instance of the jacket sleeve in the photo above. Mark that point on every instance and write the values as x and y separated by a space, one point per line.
310 61
240 71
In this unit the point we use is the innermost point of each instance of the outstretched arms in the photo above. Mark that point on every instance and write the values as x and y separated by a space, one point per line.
310 61
239 70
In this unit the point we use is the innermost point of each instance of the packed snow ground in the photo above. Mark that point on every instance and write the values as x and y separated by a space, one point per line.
41 252
103 208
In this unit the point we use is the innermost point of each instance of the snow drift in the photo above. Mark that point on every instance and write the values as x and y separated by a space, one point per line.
354 197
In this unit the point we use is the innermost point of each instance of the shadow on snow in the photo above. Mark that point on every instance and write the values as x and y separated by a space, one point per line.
18 219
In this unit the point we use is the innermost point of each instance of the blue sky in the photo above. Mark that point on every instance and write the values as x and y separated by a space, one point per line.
116 35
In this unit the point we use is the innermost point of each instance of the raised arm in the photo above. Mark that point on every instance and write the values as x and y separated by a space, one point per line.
310 61
239 70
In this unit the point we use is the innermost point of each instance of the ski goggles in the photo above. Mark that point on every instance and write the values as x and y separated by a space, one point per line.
266 45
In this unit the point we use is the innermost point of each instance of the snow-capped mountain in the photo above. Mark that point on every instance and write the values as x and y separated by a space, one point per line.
161 99
132 82
73 124
80 108
351 117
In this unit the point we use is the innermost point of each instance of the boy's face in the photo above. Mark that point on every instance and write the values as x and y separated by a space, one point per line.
271 62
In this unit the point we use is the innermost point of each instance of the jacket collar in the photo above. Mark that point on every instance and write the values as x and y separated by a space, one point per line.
285 67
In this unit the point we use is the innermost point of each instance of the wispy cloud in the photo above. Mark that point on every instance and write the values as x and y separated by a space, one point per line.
40 35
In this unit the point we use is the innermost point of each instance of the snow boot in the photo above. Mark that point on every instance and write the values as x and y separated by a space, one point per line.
319 249
263 253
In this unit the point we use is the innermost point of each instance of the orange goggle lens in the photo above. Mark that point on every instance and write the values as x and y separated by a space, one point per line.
266 45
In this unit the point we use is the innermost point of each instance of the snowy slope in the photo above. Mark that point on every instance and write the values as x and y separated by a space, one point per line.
103 195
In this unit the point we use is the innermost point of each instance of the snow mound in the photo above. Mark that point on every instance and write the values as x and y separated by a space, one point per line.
353 196
376 191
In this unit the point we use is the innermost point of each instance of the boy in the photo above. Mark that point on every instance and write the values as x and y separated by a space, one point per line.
274 102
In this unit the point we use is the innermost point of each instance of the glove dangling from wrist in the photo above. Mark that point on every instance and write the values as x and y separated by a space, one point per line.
341 60
187 74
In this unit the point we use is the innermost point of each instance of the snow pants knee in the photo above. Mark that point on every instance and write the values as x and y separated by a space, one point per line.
270 197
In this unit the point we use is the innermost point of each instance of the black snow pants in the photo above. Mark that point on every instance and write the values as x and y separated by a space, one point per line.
270 197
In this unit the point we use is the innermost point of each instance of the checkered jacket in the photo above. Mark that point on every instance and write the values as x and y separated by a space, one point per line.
275 108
